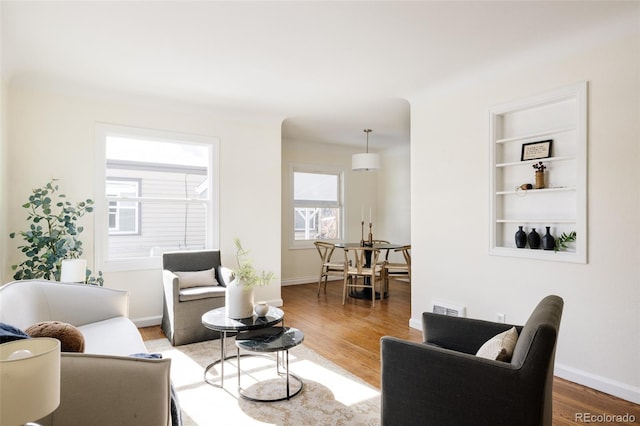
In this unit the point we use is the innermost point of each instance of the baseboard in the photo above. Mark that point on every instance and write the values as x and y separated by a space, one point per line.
147 321
603 384
416 323
305 280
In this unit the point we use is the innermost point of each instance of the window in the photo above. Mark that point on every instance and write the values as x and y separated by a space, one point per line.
155 192
317 204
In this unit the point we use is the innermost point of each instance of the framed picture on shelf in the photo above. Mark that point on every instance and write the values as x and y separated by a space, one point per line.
536 150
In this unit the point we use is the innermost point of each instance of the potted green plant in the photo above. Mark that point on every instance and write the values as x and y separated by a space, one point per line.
563 240
245 271
239 292
53 235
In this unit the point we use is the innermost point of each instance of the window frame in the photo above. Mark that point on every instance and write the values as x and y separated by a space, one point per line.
101 211
314 169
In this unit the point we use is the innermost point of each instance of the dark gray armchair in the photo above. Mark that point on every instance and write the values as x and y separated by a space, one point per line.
191 288
442 382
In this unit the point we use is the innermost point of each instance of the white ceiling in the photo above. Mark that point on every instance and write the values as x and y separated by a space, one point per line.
329 69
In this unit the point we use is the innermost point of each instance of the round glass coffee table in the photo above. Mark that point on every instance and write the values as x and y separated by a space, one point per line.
217 320
272 339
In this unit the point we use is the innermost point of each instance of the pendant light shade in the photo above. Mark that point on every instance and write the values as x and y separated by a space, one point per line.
365 161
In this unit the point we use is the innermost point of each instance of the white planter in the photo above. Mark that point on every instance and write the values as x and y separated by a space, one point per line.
73 271
239 300
261 309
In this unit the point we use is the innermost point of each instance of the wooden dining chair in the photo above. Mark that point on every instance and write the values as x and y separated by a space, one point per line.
357 266
327 267
386 254
398 269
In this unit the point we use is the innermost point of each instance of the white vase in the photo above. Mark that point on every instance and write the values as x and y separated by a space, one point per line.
73 271
261 309
239 300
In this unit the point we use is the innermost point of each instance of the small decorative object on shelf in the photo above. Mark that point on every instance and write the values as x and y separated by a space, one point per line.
261 309
370 234
521 238
539 174
563 239
534 239
548 242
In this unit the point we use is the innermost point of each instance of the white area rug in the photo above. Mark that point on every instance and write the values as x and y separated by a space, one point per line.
331 395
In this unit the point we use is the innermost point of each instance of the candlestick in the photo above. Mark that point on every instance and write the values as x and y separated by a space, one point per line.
370 234
362 233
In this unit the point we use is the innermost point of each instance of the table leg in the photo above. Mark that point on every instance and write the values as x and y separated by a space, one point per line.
221 361
223 354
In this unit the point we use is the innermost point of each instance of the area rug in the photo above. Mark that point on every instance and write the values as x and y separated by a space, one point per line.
330 396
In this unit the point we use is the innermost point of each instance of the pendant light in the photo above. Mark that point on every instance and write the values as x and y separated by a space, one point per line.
365 161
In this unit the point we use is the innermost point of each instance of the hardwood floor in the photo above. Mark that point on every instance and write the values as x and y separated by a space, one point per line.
349 336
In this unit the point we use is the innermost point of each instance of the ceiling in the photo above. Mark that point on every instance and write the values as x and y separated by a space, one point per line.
329 69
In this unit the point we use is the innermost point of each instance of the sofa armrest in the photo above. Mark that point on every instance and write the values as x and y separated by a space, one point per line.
103 390
24 303
459 333
418 379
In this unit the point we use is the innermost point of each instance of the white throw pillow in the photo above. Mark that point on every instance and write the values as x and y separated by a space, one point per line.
500 347
204 278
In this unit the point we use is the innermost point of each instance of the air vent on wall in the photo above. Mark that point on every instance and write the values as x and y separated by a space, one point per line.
451 309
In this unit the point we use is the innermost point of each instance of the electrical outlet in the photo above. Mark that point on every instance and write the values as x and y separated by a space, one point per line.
501 317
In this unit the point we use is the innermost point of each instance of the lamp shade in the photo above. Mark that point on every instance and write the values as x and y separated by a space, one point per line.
73 271
30 377
365 161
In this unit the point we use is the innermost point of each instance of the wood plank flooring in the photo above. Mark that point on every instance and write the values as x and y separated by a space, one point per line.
349 336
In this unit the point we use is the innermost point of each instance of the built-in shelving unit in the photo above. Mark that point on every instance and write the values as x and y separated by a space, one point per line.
561 116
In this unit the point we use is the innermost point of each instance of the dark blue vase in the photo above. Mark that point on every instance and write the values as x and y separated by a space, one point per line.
521 238
548 242
534 239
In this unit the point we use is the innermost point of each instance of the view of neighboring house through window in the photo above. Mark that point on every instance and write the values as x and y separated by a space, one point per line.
317 204
157 194
124 216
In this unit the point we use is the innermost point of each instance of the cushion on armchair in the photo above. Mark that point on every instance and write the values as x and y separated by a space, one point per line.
500 347
188 279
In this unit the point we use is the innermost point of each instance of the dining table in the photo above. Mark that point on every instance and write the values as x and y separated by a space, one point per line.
365 293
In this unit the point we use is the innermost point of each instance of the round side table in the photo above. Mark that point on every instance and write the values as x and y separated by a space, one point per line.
272 339
217 320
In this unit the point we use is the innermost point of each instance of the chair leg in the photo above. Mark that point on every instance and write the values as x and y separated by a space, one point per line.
373 291
344 290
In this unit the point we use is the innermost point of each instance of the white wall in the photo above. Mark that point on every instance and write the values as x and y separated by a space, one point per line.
394 203
599 339
3 176
52 135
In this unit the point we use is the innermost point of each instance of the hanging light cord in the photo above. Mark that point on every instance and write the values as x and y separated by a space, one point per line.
367 131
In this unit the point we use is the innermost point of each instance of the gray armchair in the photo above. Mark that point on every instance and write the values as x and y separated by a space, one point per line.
442 382
191 288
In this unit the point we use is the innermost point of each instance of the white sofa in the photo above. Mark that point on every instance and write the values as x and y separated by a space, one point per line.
104 385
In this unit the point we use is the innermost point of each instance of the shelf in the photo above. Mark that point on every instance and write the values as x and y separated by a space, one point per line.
560 256
530 162
559 115
527 192
537 135
525 221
